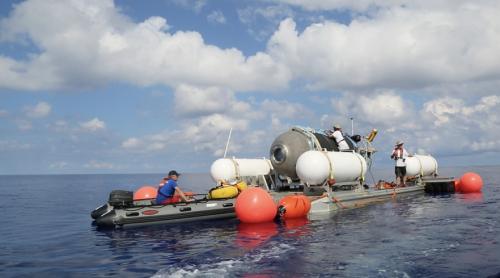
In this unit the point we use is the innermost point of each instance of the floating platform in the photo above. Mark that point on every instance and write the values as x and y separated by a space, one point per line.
141 214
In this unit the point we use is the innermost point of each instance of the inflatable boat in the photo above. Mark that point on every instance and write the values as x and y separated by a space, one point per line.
122 212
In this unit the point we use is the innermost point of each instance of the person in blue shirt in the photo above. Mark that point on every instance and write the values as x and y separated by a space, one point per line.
166 193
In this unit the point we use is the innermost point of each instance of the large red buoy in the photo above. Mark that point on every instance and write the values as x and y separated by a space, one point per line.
255 205
145 192
294 206
470 182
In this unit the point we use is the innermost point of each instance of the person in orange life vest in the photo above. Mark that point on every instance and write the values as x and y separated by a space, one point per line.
399 154
166 193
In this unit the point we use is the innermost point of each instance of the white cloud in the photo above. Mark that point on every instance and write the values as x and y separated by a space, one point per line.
190 100
150 143
11 145
23 125
206 134
99 165
402 45
490 145
209 133
89 43
395 48
60 126
195 5
442 109
59 165
93 125
216 17
131 143
368 5
379 109
261 22
285 109
441 125
447 125
4 113
40 110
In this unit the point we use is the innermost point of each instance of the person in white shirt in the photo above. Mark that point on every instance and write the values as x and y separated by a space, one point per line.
339 138
399 154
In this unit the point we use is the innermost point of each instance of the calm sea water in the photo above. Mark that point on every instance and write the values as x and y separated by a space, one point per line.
46 231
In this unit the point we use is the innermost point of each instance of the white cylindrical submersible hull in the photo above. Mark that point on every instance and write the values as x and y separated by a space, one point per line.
315 167
421 165
227 169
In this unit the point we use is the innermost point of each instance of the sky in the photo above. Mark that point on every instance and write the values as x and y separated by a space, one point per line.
125 86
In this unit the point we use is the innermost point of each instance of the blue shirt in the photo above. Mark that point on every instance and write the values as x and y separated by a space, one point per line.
166 191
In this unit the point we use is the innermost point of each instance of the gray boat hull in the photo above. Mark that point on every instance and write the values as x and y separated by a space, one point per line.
141 215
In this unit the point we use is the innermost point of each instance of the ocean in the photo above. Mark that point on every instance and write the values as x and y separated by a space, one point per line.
47 232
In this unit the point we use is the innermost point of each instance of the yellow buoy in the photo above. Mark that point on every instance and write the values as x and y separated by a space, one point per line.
241 186
223 192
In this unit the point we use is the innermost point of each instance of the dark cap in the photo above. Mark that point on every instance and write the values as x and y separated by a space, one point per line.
173 173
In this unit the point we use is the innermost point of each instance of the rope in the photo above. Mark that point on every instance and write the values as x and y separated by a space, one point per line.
337 201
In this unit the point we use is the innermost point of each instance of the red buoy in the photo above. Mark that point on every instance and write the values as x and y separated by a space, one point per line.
294 206
470 183
146 192
255 205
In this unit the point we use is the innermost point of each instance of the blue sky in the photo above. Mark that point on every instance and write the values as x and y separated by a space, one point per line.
132 87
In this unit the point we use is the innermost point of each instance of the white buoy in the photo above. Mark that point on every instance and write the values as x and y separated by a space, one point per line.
227 169
315 167
421 165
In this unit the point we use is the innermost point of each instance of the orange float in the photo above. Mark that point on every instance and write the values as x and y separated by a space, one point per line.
470 183
307 201
255 205
146 192
294 206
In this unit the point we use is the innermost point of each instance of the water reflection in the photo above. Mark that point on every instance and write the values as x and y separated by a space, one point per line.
252 235
296 227
471 198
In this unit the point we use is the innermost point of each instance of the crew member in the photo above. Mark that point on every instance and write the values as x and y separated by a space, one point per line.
166 193
399 154
339 138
